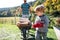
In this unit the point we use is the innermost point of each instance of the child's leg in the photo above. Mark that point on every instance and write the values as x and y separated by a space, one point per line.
38 36
44 34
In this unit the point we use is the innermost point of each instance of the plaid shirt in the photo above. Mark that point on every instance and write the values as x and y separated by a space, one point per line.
25 8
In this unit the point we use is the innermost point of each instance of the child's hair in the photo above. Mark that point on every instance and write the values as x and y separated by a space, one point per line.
39 8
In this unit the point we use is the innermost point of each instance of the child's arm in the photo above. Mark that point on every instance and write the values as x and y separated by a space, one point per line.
46 21
37 19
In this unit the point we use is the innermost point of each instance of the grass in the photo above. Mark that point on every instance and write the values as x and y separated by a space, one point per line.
11 32
51 35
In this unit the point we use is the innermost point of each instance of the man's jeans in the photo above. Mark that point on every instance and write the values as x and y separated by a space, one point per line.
23 30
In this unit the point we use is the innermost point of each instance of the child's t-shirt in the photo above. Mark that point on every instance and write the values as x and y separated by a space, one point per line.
45 20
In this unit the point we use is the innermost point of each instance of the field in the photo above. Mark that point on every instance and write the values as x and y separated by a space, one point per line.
9 31
10 20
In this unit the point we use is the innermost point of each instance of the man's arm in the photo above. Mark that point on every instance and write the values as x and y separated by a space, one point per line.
20 10
46 21
30 9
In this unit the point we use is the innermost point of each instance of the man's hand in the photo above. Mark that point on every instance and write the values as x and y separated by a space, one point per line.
20 10
31 9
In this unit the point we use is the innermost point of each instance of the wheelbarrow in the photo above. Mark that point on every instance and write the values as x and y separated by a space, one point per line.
24 23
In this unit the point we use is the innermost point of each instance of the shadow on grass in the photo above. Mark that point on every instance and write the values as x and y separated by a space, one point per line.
50 38
50 27
58 28
33 37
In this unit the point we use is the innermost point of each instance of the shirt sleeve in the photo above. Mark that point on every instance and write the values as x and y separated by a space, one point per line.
29 5
46 21
37 19
22 6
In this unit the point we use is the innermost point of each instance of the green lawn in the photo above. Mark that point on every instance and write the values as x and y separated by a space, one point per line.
11 32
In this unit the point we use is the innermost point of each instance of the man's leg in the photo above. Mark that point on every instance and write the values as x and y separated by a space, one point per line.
44 34
28 28
24 33
27 34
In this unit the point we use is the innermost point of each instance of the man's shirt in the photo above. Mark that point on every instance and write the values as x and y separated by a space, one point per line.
25 8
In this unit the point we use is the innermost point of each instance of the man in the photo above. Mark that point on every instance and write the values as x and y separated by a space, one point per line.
25 10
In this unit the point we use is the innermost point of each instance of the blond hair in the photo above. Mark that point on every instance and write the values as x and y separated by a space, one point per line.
39 8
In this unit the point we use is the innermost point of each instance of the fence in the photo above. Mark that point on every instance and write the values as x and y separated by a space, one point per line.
9 20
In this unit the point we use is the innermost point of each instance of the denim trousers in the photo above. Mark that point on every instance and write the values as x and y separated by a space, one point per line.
40 35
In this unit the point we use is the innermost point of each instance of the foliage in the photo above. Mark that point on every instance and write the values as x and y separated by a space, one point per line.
58 22
52 22
52 5
56 14
8 12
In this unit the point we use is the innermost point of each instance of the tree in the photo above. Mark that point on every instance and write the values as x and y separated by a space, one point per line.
52 5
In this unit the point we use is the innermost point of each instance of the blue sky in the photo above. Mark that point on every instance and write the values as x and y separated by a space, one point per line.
11 3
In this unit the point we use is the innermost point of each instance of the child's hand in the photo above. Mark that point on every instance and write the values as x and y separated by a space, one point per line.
36 28
32 27
32 23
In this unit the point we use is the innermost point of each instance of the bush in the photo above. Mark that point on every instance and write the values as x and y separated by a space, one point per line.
58 22
52 22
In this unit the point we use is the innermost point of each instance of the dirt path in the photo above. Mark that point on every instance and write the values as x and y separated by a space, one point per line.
57 31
